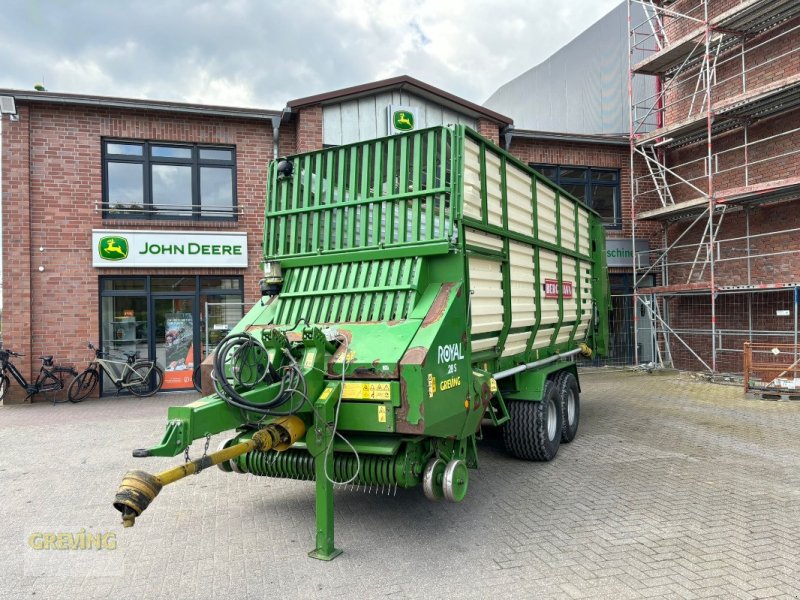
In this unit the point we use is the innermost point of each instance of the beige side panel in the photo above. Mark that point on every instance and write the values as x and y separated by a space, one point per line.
567 223
548 269
568 273
542 339
494 194
583 232
483 240
518 193
586 299
478 345
523 303
516 343
546 212
486 298
472 180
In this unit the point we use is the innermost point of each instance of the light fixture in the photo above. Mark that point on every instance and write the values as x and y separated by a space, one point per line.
8 106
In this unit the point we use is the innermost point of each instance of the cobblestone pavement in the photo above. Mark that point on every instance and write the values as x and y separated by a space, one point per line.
674 488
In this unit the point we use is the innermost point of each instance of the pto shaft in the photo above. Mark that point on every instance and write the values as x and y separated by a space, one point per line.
138 488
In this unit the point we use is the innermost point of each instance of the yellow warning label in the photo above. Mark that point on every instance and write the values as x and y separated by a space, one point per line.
492 385
381 413
431 385
309 361
347 358
366 391
325 393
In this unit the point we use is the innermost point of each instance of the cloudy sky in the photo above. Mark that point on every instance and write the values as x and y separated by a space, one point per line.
264 53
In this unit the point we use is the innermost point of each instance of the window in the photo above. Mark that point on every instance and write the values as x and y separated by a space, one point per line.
154 180
597 188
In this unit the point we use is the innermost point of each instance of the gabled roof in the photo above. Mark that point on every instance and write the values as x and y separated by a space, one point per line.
404 82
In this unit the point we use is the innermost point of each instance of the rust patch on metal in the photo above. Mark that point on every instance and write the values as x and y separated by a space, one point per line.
439 304
401 423
251 328
415 356
348 335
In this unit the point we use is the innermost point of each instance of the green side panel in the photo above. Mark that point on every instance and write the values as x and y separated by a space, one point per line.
601 291
529 385
379 194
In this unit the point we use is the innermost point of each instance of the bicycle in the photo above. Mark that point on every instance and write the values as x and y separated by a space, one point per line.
140 377
51 378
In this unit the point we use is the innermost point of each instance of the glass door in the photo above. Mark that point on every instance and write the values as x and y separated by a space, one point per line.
176 341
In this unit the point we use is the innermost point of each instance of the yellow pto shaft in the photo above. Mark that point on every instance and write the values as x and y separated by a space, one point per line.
138 488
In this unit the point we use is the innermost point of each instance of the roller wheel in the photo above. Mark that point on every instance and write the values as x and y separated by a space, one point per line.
456 480
534 431
432 479
225 465
570 406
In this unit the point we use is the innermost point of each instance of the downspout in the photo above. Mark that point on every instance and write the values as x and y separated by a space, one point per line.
276 131
276 134
506 134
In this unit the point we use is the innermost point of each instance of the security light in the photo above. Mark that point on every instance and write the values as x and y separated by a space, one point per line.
7 105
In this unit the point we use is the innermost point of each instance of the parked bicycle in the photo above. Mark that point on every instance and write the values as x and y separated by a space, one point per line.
140 377
51 379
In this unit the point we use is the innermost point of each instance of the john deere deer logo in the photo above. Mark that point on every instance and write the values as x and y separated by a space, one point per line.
113 248
403 121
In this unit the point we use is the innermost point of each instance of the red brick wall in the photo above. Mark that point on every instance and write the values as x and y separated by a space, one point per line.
309 128
52 188
17 239
489 130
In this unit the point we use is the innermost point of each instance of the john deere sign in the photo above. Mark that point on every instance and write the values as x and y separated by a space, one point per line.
168 249
401 118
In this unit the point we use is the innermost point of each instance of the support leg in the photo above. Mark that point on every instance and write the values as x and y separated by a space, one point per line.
325 411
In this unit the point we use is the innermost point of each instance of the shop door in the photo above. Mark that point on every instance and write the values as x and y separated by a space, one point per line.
177 345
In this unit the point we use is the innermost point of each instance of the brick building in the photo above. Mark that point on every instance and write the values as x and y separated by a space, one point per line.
138 224
720 139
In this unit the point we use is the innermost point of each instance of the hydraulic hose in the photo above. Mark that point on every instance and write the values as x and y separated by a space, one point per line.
241 343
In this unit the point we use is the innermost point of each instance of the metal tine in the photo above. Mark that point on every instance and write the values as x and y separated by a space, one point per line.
395 489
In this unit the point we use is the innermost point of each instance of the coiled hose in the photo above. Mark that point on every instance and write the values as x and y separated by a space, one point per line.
247 360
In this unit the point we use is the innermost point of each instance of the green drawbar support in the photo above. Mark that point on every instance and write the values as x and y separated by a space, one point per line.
322 436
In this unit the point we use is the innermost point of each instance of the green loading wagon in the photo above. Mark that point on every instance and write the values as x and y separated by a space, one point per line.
417 288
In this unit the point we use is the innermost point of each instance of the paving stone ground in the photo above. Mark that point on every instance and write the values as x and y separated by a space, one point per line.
674 488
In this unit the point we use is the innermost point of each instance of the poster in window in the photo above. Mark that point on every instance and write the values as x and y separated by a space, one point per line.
179 350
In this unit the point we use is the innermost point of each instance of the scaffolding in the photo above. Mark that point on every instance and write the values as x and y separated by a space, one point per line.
711 144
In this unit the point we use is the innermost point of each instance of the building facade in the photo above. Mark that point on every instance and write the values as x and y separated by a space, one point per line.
720 140
138 225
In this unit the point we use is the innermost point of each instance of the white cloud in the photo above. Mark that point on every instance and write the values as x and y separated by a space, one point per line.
253 53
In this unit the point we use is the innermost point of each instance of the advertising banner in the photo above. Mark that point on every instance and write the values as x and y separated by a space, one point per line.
168 249
179 351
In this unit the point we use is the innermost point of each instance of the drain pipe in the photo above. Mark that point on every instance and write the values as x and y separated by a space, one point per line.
276 131
582 349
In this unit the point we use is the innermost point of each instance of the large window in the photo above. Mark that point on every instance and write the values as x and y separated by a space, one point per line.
597 188
176 319
153 180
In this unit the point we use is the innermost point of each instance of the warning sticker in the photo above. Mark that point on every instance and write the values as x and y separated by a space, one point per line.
366 391
381 413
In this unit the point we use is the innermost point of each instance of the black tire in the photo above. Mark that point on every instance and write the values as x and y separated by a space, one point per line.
82 385
145 379
4 383
534 431
570 406
197 379
55 385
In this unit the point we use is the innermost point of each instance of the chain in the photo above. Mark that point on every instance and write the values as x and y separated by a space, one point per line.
186 454
208 441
